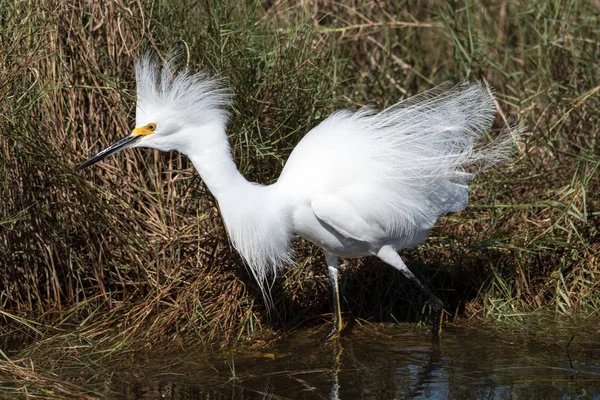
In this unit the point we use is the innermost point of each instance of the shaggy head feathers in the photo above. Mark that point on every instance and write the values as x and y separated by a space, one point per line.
182 97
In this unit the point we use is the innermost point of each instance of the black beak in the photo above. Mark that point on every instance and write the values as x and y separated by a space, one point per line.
122 144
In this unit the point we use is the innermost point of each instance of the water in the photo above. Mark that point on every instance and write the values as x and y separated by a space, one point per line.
389 362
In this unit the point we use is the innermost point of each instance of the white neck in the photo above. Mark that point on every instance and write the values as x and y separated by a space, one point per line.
256 216
213 160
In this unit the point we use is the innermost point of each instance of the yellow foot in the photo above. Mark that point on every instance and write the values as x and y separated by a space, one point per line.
333 335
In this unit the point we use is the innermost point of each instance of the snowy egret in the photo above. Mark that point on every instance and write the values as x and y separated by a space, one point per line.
360 183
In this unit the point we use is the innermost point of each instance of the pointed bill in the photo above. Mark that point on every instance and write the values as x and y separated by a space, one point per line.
122 144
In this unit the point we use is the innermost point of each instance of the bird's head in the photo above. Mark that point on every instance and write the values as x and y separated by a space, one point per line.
170 107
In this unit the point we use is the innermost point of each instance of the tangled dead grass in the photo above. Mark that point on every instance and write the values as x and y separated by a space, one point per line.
133 253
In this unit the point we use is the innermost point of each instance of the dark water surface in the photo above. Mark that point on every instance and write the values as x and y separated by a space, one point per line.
390 362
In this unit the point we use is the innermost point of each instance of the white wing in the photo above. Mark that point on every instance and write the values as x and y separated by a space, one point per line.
342 217
401 168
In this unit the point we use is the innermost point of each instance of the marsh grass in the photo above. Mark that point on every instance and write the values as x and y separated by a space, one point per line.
132 253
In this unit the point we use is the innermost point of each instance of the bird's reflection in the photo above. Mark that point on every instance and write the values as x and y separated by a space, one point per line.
430 370
334 393
426 373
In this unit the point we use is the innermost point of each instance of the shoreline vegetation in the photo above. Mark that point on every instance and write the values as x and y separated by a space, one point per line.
133 254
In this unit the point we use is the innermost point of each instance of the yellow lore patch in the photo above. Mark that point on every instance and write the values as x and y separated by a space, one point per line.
144 130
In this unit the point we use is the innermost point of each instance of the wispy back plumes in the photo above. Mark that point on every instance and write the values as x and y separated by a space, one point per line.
438 134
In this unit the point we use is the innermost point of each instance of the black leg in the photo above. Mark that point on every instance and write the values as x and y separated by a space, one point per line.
436 304
390 256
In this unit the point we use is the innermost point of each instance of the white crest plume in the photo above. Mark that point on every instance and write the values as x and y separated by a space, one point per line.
190 97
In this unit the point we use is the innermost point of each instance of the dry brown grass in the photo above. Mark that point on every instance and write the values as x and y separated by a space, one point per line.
119 239
132 253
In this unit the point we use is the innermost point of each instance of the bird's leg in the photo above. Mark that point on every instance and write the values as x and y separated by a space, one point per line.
390 256
332 265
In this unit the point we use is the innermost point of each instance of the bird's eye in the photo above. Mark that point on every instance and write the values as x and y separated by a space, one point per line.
152 126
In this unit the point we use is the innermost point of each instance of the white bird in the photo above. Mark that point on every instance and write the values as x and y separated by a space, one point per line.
361 183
